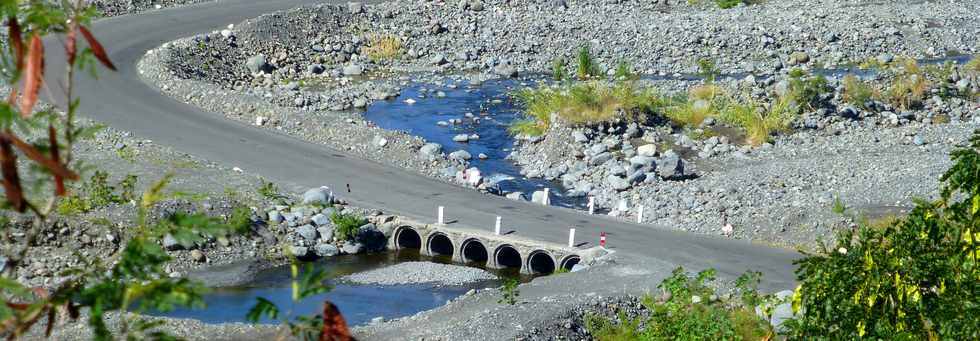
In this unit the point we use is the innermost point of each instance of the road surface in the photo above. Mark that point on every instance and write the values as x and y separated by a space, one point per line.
124 101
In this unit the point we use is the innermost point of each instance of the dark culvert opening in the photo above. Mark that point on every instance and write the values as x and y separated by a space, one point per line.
508 257
541 263
570 262
408 239
439 244
474 252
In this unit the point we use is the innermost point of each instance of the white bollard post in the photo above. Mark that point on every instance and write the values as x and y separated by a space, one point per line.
639 216
441 221
591 205
496 227
571 237
547 197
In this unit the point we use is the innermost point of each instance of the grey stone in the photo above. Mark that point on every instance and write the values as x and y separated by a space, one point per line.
326 233
461 138
647 150
505 71
439 59
197 256
326 250
320 219
353 248
600 159
257 63
353 70
430 149
918 141
637 177
618 183
670 166
519 196
299 251
321 195
170 243
579 136
275 217
355 7
307 232
540 197
460 156
598 149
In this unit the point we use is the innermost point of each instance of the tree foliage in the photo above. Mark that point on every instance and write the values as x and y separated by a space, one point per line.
917 279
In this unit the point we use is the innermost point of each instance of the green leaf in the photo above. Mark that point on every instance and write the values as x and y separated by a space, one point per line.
262 308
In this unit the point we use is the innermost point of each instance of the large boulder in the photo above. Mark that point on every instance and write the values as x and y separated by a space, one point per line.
321 220
671 166
648 150
541 197
353 248
321 195
618 183
430 150
326 250
307 232
460 156
353 70
257 63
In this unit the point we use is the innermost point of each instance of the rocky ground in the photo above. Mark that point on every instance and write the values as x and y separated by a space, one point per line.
421 273
111 8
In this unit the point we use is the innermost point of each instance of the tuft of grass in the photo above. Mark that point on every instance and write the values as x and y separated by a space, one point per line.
838 206
624 71
587 67
858 92
972 67
726 4
760 124
584 103
558 72
702 101
910 85
527 127
346 225
383 48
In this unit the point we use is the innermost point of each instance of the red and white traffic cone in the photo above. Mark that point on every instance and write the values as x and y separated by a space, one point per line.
602 239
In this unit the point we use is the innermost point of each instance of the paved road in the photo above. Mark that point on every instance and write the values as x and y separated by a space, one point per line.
123 101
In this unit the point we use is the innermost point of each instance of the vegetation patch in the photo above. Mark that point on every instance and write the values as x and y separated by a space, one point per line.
584 103
383 48
346 225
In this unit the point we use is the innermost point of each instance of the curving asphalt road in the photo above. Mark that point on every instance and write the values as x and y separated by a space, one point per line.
124 101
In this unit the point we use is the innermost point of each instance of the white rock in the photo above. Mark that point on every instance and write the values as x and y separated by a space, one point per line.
410 101
647 150
226 33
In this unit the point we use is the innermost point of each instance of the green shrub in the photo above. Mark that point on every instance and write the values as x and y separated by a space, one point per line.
584 103
917 279
708 70
690 313
838 205
527 127
72 205
726 4
972 67
509 292
587 67
269 190
805 89
346 225
857 92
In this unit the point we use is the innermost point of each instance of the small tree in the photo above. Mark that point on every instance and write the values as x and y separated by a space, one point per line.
918 279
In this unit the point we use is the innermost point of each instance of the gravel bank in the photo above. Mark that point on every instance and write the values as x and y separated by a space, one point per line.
421 273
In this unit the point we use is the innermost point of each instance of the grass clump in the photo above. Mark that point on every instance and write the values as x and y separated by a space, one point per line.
759 123
346 225
857 92
909 86
558 72
96 193
583 103
701 102
587 67
691 312
509 292
806 89
972 67
624 71
383 48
